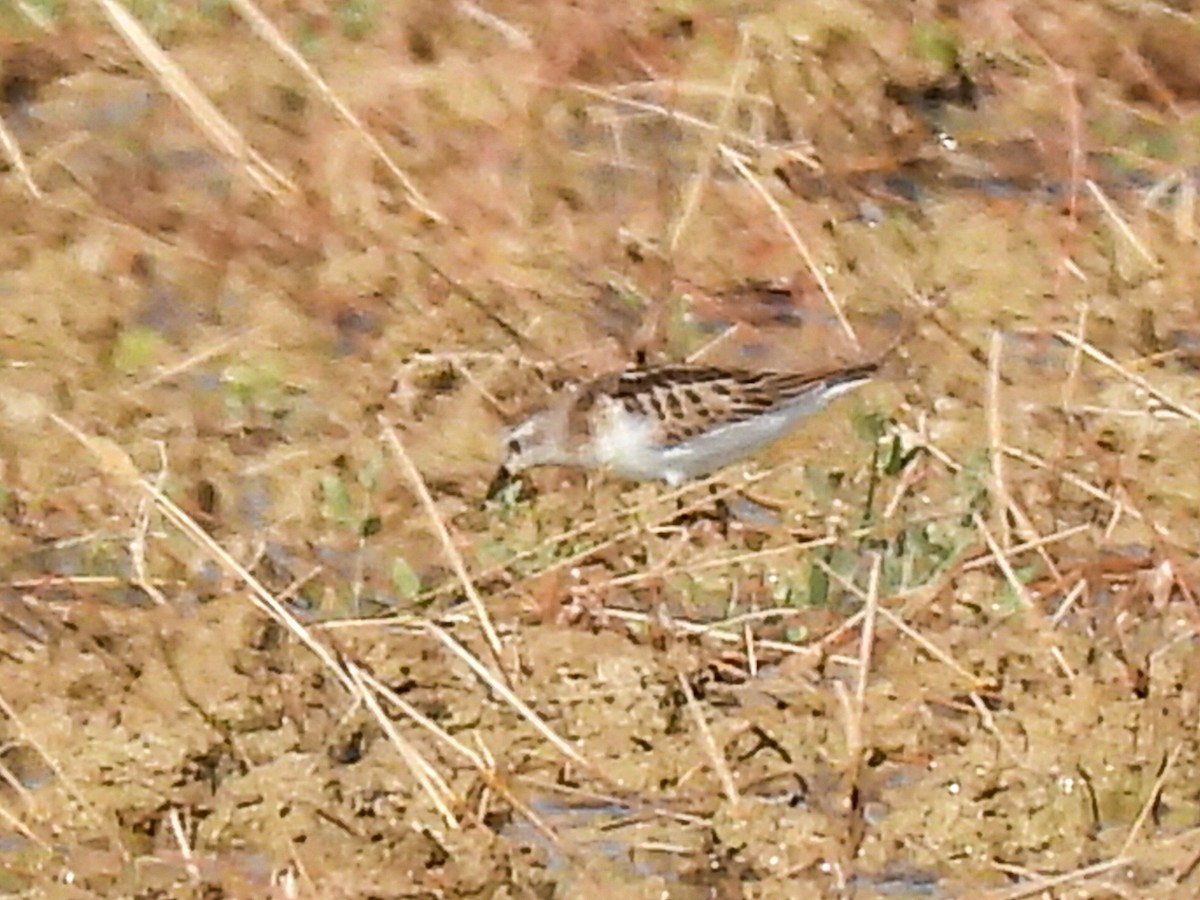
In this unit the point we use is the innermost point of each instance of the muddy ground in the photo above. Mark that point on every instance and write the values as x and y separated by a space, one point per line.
273 282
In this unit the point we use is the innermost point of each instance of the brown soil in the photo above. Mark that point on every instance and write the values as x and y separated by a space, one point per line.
951 654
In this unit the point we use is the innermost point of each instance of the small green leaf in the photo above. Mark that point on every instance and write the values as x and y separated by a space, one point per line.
135 349
358 18
405 582
935 42
51 9
818 587
797 634
336 499
249 383
870 426
509 496
368 475
896 458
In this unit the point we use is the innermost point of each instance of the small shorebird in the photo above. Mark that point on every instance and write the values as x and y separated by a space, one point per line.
671 423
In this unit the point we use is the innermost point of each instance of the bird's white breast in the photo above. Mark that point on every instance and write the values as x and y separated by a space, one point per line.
627 443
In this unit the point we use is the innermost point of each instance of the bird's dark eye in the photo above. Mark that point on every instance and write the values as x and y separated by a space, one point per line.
514 446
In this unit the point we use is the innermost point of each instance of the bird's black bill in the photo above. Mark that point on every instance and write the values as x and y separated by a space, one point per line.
504 482
502 479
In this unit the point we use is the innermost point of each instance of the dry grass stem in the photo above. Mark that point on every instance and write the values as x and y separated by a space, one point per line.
928 646
720 562
517 37
269 34
740 620
35 15
1028 603
1071 384
897 621
68 784
1044 885
814 268
452 555
1099 356
205 115
435 787
742 68
485 767
1000 495
16 159
1122 226
748 637
175 821
705 500
988 720
852 725
715 758
1001 558
116 464
866 644
804 158
83 581
854 707
14 783
700 629
987 559
217 349
1152 799
509 697
1068 601
1119 507
909 478
1032 539
22 829
421 719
